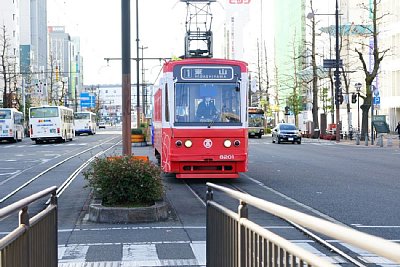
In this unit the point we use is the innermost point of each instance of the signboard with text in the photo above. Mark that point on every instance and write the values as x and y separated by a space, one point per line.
87 100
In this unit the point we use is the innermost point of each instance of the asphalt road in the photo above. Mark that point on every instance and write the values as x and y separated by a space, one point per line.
354 185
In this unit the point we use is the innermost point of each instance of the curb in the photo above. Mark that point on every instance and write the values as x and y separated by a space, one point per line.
101 214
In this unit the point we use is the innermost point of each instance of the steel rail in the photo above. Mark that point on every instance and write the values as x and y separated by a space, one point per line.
48 170
72 177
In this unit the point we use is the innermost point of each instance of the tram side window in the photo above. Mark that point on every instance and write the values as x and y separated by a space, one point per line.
166 103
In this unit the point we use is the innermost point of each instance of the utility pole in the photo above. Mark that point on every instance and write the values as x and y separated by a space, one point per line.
137 68
337 74
126 77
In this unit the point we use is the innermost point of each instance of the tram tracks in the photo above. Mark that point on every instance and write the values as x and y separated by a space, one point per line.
194 188
69 179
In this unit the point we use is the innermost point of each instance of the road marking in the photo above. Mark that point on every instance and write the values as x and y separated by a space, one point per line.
145 254
199 251
293 200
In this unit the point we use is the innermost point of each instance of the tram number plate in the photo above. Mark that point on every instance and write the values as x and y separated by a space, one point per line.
226 156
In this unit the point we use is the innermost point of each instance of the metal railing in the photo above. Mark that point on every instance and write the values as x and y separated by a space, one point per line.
235 241
34 242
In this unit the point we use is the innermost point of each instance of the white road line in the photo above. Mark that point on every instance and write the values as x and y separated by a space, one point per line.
73 253
199 251
322 215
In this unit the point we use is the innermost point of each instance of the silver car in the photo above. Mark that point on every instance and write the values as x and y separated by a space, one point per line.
286 132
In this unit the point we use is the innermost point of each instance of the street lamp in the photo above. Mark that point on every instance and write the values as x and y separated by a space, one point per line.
358 88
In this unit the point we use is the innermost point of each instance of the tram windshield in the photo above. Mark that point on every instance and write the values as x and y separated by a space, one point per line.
217 103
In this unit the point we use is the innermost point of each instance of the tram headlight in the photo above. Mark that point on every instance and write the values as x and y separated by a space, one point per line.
188 143
236 143
227 143
178 143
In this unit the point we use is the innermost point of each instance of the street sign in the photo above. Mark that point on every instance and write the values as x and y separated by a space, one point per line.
377 100
331 63
87 100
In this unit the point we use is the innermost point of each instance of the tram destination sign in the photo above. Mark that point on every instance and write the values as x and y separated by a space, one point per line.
201 73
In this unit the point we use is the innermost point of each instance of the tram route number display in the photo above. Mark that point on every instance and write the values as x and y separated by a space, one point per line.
201 73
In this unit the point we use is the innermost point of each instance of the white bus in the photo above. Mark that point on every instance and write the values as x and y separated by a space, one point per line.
11 124
85 122
51 123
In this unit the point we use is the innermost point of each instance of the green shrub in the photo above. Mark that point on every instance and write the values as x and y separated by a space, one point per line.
268 130
137 131
125 181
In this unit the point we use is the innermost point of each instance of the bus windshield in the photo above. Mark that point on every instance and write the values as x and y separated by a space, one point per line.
5 114
82 116
256 120
44 112
207 102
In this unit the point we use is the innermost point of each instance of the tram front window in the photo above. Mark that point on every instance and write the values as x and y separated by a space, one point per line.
197 103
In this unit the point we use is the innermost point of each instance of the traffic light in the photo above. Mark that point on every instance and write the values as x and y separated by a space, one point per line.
353 98
340 99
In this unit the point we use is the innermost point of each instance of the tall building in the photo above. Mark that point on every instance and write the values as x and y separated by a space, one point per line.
60 48
389 81
289 44
33 43
9 46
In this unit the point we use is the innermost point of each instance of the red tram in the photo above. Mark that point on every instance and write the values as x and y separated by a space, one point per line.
200 118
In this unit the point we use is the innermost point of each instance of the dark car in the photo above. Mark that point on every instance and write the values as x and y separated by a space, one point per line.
286 132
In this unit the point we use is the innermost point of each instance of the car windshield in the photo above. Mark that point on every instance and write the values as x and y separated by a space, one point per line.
287 127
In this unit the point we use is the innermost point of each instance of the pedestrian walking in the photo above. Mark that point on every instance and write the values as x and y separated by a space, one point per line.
398 129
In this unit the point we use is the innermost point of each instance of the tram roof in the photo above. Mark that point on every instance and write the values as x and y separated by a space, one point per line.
169 66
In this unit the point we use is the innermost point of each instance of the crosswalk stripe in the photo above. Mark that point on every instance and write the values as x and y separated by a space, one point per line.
147 252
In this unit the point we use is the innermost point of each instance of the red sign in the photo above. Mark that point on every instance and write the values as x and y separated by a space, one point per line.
239 1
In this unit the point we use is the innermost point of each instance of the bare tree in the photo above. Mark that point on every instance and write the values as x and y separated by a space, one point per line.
9 72
4 55
378 56
314 70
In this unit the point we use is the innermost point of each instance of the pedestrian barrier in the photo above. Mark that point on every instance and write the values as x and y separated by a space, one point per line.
235 241
34 242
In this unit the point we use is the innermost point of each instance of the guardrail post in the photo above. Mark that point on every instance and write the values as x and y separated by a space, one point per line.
243 213
357 138
24 216
209 194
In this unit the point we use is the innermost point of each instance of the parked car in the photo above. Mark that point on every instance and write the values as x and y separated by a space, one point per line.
286 132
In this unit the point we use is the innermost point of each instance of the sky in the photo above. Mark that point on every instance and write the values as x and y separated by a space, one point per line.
98 24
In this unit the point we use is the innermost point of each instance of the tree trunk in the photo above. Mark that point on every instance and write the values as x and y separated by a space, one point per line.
364 118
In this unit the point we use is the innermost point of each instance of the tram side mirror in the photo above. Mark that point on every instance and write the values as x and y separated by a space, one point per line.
237 88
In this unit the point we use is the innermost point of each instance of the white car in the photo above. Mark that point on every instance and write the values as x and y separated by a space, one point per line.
102 124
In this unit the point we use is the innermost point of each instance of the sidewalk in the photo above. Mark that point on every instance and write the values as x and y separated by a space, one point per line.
389 141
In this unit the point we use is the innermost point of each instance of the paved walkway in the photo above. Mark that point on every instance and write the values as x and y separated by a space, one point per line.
389 141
